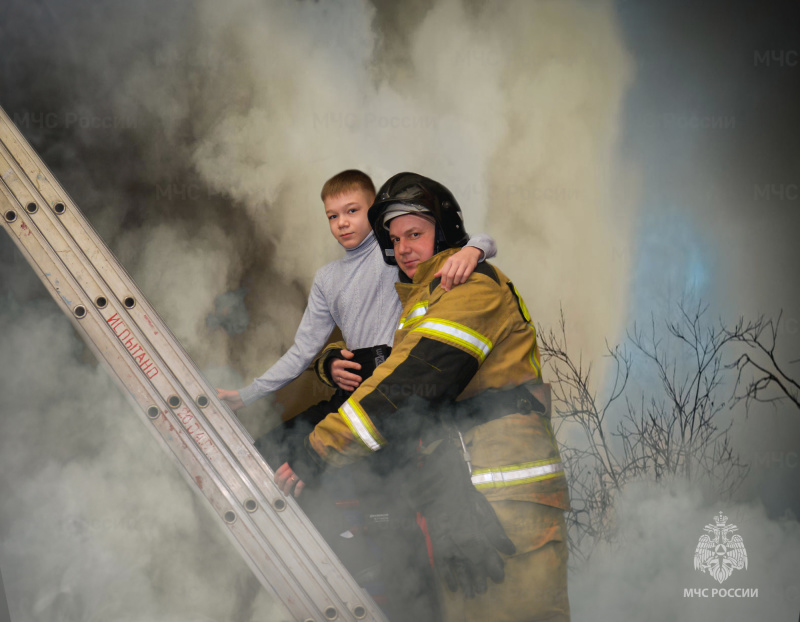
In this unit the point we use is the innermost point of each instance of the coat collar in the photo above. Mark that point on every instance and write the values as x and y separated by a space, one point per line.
424 274
429 267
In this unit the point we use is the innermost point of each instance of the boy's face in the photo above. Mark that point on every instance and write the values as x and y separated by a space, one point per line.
347 216
413 240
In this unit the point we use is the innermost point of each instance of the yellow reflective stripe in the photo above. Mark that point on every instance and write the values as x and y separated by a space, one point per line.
522 306
360 425
534 358
535 365
516 474
459 334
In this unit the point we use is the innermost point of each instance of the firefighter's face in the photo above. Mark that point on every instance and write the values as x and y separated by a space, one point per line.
413 238
347 216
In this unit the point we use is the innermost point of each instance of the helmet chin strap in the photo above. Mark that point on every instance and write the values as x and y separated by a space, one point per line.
441 243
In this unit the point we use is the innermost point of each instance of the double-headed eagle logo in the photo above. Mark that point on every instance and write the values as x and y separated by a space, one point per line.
719 552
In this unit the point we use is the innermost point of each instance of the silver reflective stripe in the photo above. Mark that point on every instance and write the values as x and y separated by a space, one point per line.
417 312
512 476
459 334
354 419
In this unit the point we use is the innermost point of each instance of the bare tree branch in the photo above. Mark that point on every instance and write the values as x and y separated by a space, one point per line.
760 376
674 431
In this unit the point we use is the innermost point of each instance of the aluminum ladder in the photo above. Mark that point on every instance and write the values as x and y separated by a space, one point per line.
213 450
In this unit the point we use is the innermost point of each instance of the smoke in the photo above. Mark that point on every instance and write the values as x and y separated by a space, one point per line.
196 137
498 103
649 574
707 118
182 268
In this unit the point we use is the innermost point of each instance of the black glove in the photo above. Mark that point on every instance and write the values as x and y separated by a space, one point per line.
464 530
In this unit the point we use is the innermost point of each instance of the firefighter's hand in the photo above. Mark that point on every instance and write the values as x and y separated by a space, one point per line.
466 535
458 267
287 481
468 549
231 398
341 375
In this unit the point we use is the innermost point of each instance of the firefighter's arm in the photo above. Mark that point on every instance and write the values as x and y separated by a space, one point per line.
434 361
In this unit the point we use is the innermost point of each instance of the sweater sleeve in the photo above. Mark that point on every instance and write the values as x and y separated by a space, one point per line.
315 328
485 243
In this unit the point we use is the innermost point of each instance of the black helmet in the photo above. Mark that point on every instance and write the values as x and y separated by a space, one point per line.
427 195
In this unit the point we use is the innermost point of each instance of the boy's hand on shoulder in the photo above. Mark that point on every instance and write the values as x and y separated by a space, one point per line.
341 374
458 267
231 398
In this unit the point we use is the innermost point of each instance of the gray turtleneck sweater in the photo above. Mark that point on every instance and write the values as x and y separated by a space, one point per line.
355 293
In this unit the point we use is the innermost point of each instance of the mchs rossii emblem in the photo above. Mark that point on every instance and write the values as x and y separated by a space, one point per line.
718 551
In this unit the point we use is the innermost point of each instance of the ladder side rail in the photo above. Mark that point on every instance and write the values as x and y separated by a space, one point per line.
189 418
257 467
56 293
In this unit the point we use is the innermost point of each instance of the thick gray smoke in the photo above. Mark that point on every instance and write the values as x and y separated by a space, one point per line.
649 574
500 104
196 137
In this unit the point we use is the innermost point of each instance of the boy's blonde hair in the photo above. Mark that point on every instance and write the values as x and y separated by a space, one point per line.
351 179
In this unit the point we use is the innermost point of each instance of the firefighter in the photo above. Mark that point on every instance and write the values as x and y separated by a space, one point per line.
464 384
